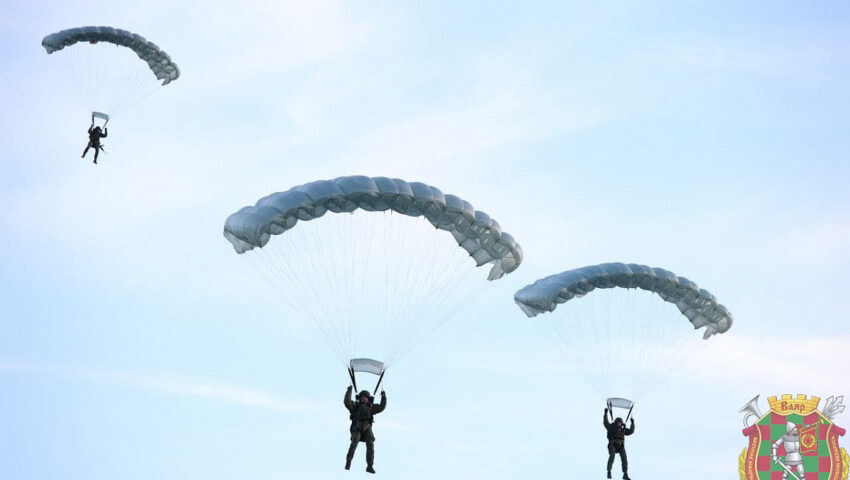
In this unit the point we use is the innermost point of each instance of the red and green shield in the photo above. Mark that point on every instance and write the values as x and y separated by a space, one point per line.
822 457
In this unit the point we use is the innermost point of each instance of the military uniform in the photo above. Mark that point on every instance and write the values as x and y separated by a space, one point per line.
362 416
617 432
94 141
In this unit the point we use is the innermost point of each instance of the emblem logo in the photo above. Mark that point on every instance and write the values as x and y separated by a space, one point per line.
793 440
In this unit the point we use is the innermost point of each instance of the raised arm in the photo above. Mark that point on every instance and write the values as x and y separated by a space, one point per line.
347 400
605 421
103 135
380 408
631 428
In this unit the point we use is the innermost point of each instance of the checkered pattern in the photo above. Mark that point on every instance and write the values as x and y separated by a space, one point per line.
772 427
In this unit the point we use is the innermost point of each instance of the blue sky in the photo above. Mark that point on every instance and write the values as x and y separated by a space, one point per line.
706 138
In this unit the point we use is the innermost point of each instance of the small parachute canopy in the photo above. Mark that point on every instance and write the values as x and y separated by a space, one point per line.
159 62
617 402
366 365
697 304
480 235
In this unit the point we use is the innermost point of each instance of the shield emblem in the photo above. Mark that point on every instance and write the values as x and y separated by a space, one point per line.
823 459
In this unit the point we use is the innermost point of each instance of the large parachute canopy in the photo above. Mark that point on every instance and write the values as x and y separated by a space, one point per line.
625 326
110 68
392 261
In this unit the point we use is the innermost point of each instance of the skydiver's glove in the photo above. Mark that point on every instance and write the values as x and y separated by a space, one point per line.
606 409
349 389
633 422
383 393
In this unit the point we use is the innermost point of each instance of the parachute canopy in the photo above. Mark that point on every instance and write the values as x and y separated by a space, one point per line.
158 61
698 305
473 230
374 263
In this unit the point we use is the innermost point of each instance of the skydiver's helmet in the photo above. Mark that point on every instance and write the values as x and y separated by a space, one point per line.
364 393
791 428
618 421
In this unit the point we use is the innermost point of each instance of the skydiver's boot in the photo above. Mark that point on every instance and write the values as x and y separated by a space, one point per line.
370 469
626 476
609 473
348 464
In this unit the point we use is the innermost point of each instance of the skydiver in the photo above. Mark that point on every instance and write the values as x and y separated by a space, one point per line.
616 442
362 415
95 135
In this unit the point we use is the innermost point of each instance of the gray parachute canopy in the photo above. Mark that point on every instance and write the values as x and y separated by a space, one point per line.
697 304
158 61
473 230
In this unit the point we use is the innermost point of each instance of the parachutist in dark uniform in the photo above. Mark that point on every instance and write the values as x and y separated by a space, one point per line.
362 416
95 135
616 442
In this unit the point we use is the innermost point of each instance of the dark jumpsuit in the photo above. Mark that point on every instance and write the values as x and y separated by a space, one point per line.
361 424
617 441
94 141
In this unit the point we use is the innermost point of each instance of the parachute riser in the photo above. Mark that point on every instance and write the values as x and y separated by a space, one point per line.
353 379
379 382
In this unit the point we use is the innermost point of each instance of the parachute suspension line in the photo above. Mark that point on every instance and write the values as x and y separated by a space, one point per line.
546 325
302 294
454 269
334 236
386 266
419 259
648 342
105 77
609 367
626 340
283 284
410 250
331 272
329 264
570 347
416 255
416 267
460 272
278 281
674 341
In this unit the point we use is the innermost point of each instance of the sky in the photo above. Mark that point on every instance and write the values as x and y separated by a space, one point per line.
708 138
